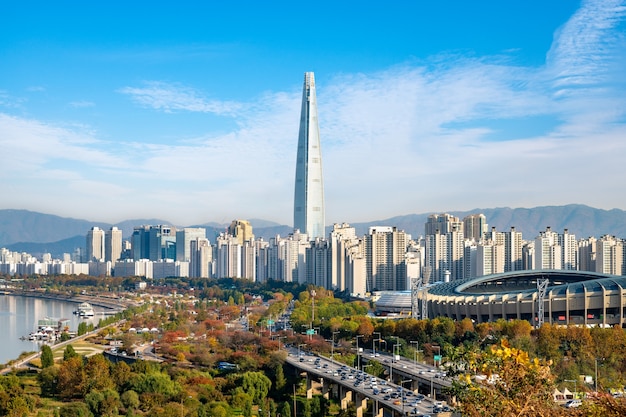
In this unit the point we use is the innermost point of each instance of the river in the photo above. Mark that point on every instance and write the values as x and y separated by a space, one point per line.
19 317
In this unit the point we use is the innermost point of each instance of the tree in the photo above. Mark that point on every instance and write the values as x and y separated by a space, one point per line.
71 378
98 373
82 328
279 377
257 385
130 399
48 381
75 409
47 358
509 384
285 409
69 352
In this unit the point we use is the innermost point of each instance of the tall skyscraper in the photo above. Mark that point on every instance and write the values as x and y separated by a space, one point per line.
113 244
95 244
308 211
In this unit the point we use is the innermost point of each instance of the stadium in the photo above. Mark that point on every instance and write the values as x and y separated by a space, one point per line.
571 297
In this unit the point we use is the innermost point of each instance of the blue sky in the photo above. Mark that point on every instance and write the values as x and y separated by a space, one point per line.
189 113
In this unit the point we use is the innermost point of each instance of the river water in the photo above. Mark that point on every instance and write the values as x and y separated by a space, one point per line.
19 317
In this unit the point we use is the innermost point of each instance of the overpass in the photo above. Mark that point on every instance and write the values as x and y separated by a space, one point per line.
352 385
429 379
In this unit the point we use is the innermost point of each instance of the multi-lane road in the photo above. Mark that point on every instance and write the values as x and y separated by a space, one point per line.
384 393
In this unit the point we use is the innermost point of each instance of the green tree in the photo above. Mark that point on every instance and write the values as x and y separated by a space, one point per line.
47 358
75 409
279 377
130 399
257 385
82 328
48 381
285 409
69 352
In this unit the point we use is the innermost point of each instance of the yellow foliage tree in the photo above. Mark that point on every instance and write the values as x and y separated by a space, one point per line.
508 383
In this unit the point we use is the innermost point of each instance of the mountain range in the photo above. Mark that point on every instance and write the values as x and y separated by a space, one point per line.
37 233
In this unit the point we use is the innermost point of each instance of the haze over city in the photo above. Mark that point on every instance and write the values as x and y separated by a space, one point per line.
190 113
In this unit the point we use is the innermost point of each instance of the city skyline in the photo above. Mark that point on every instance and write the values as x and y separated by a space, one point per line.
113 113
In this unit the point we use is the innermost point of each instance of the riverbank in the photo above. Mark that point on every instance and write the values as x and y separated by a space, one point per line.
107 302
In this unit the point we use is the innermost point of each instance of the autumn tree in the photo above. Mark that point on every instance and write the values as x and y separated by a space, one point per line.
509 383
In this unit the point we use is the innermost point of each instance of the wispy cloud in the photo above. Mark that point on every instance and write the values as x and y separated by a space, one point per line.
585 48
170 97
82 104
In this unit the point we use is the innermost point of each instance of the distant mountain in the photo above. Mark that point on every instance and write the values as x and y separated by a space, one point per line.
581 220
36 233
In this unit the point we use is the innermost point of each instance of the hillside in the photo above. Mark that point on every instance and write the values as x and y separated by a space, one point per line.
36 233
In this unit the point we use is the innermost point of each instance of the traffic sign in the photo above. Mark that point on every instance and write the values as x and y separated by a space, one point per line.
310 331
437 358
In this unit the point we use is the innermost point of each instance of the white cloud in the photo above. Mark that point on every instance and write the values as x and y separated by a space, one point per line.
82 104
168 97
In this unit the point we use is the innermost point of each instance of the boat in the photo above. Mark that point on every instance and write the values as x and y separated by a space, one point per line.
84 310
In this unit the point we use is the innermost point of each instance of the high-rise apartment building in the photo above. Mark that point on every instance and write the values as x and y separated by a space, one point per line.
95 244
308 211
610 255
548 252
569 248
385 249
444 248
475 226
113 245
341 239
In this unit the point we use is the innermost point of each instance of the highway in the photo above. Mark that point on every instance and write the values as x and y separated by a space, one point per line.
409 368
404 401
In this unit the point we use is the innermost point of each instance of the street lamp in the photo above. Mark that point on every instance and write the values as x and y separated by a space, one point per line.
358 353
416 350
403 395
393 358
374 343
332 347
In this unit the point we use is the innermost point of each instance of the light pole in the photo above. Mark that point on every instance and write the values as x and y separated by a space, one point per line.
374 344
358 353
312 312
596 379
416 350
393 358
403 395
332 347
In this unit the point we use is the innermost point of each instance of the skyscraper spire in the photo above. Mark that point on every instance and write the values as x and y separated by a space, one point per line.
308 210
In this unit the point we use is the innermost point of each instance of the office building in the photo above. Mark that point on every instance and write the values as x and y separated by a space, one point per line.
184 237
308 212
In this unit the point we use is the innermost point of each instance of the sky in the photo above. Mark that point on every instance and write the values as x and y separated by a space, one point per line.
189 111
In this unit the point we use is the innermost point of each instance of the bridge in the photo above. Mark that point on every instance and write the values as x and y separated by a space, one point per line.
399 368
388 398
